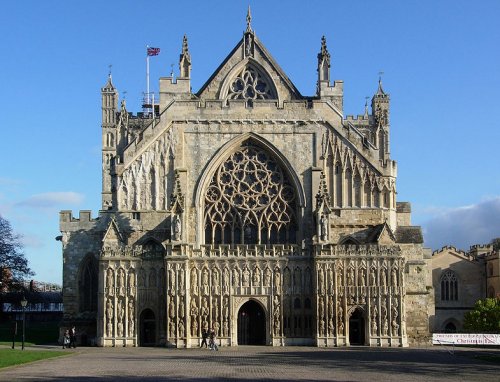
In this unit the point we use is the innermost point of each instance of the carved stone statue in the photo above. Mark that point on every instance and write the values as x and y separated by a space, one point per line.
131 282
267 277
181 329
109 282
194 327
109 317
277 281
361 277
350 277
246 277
225 281
373 281
321 281
204 282
256 277
394 277
323 224
171 308
176 228
194 281
121 282
216 282
236 278
383 277
205 311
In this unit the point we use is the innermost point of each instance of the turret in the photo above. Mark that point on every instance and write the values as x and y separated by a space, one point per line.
380 112
109 140
330 93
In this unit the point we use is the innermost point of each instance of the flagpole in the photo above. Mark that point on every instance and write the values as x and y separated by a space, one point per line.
147 75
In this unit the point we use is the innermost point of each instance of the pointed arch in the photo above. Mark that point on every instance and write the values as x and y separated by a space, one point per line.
249 81
88 284
252 188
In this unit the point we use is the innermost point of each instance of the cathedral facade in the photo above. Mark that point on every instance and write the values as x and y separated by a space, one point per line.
249 209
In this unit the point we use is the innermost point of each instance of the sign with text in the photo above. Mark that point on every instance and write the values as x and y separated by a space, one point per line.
465 339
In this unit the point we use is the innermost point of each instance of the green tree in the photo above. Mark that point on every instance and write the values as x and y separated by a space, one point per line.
13 263
496 243
484 318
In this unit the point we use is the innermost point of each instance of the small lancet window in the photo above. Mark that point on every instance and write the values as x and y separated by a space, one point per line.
449 286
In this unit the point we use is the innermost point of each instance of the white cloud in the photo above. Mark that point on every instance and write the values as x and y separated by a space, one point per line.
52 199
464 226
32 241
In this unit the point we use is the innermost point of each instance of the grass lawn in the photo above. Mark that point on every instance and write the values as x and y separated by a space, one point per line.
39 333
10 357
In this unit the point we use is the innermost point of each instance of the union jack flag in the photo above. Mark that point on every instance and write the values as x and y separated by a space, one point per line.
153 51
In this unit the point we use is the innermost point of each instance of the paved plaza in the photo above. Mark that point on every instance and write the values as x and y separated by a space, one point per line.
261 364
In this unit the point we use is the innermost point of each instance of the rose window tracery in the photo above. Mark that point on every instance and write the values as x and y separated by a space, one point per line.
250 200
250 85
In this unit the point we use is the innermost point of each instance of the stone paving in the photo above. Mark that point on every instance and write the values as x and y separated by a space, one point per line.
261 364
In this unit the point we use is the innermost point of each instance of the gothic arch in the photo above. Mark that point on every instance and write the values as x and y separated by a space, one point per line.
287 185
449 285
88 284
248 75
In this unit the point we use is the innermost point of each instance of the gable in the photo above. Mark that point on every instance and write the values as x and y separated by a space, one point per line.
112 235
249 72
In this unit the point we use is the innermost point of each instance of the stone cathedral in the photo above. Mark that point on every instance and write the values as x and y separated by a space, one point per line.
250 209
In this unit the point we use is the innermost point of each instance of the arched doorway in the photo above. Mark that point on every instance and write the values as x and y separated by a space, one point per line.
357 328
147 324
251 324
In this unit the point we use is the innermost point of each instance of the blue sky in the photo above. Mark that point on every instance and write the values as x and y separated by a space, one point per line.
441 65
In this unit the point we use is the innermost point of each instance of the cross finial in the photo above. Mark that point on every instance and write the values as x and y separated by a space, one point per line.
172 70
380 74
109 72
249 20
124 94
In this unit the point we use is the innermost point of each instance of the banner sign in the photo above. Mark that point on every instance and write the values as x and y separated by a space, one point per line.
465 339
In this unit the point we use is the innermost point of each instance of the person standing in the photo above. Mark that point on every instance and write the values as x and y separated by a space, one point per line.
212 342
66 339
72 337
204 336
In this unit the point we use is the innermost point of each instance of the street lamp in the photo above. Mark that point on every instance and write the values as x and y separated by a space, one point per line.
24 302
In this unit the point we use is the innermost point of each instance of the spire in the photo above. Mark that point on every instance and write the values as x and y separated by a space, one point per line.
109 83
323 63
249 20
366 106
380 91
185 60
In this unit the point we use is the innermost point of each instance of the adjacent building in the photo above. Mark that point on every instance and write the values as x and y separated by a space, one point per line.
461 278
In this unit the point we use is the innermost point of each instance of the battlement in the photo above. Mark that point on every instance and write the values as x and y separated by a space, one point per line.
359 117
66 216
488 247
403 207
450 248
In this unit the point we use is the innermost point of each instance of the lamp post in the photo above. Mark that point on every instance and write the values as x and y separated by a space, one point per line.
24 302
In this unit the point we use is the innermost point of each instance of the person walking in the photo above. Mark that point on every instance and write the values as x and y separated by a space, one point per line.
72 337
204 336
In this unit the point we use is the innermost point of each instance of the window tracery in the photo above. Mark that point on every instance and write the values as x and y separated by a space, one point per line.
449 286
250 85
250 200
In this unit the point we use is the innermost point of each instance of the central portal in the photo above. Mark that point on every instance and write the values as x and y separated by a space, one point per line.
357 328
251 324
